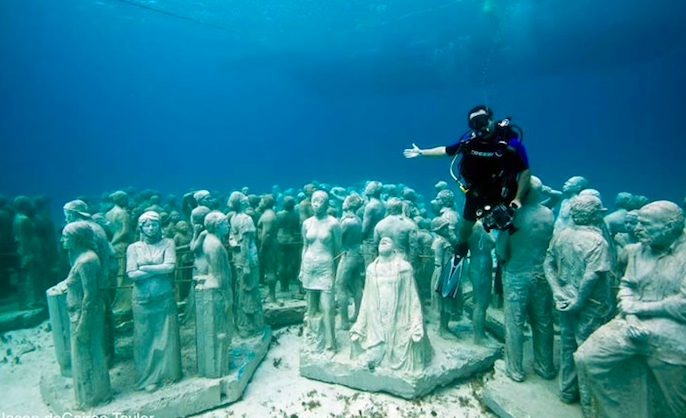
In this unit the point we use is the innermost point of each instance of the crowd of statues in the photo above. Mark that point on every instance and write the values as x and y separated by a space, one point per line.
366 260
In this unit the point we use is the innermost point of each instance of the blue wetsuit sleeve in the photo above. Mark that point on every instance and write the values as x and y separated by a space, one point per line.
521 153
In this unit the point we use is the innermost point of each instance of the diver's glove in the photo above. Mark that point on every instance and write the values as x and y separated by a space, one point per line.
461 250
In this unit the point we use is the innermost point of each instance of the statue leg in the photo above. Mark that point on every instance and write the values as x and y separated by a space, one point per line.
329 314
357 285
541 317
516 297
599 361
481 285
343 277
672 382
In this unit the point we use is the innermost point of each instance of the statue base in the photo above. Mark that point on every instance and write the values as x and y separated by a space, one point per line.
288 309
452 360
535 397
189 396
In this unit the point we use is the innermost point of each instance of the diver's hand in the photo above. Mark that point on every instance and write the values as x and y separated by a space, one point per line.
412 152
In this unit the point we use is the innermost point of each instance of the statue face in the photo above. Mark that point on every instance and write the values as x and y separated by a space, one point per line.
385 246
67 242
651 230
573 185
70 216
151 228
319 203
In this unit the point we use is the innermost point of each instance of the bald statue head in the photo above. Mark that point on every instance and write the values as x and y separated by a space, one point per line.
659 224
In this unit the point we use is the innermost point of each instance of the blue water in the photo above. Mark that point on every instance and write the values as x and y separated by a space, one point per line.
100 95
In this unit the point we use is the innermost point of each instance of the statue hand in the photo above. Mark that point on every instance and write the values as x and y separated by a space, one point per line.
354 337
417 336
631 307
635 330
412 152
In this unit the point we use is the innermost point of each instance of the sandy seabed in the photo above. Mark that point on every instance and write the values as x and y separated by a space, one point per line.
276 389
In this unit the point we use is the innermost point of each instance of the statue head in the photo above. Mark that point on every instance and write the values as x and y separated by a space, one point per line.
78 236
237 201
198 215
155 199
150 223
183 227
446 198
574 185
390 190
202 197
320 202
76 210
373 189
659 224
174 217
586 210
217 223
289 202
353 202
309 189
120 198
268 201
386 246
630 220
441 185
591 192
394 206
23 205
254 201
638 201
441 226
410 194
623 200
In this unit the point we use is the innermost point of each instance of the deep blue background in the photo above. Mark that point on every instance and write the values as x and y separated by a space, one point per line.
99 95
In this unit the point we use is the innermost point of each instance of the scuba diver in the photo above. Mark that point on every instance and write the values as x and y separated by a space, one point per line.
493 173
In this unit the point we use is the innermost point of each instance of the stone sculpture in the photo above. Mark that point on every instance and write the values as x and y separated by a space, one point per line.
321 247
577 268
248 307
571 188
480 273
390 328
267 228
641 353
85 304
31 254
214 301
150 264
290 243
374 211
526 291
400 228
120 222
443 245
350 272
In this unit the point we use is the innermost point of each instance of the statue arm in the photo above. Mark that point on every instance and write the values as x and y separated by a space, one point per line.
122 234
198 240
413 242
88 275
502 246
168 264
337 241
366 222
552 197
550 269
523 183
